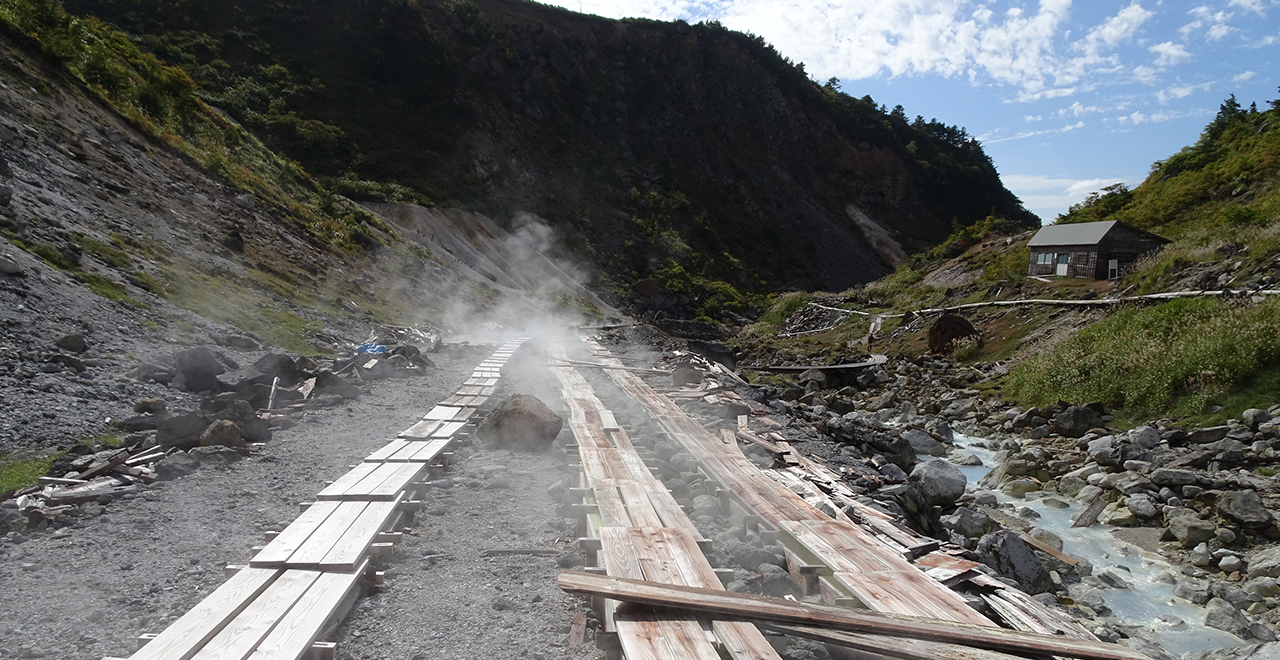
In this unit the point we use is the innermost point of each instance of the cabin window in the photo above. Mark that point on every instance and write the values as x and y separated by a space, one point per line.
1044 258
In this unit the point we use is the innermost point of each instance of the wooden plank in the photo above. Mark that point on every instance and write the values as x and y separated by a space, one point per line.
613 513
397 479
1048 549
637 503
318 545
657 636
448 429
352 477
282 547
387 451
294 634
716 603
243 634
429 451
184 637
422 430
1090 513
351 547
892 647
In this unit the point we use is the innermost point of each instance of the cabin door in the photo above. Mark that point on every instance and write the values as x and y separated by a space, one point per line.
1113 269
1063 260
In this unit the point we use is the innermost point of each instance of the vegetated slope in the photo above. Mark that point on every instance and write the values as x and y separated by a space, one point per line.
1218 200
693 154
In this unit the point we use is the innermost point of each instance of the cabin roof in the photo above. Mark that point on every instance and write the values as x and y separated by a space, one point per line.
1082 233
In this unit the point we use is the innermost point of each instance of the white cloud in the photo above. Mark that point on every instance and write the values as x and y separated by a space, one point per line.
1047 192
1169 53
1217 22
1144 74
1028 48
1033 118
1181 91
1254 6
1247 75
1160 116
990 139
1077 109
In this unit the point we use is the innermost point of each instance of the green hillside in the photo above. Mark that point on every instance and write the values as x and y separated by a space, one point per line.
689 153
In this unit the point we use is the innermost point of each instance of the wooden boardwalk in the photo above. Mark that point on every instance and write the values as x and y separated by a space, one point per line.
865 562
300 586
640 532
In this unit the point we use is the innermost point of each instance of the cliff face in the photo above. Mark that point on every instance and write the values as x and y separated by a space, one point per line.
687 153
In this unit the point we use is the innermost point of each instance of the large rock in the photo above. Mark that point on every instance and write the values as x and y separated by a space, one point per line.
1190 529
970 523
1221 615
198 369
1255 417
223 433
947 331
1173 477
923 443
181 430
1244 507
1013 558
1145 437
1265 562
523 422
1208 434
940 482
1076 421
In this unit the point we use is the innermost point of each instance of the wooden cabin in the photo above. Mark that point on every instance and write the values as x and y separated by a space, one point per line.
1100 250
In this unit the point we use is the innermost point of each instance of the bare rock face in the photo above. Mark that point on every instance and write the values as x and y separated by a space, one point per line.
521 422
1014 559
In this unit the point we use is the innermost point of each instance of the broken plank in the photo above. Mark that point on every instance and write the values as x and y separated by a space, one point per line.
1048 549
1090 513
735 606
501 552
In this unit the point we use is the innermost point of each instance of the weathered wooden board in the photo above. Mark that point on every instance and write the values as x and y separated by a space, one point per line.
716 603
295 632
186 636
247 630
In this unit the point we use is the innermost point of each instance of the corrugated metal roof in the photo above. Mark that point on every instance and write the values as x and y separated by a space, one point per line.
1082 233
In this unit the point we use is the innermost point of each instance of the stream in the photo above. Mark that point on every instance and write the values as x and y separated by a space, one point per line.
1178 624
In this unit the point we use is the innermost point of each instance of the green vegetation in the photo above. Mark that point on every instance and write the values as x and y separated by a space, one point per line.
18 472
776 316
1176 357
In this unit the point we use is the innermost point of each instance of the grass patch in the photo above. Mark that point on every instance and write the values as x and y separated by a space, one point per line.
782 309
1177 358
19 472
105 253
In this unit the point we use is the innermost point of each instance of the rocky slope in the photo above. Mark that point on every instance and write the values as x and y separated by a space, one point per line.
651 146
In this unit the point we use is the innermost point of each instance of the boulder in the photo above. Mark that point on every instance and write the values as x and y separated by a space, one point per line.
970 523
521 421
1076 421
222 433
1143 507
923 443
177 464
1208 434
1191 531
939 429
1118 515
198 368
1244 507
940 482
10 266
1265 563
1221 615
73 342
1255 417
1013 558
1145 437
1173 477
947 330
181 430
150 406
1020 487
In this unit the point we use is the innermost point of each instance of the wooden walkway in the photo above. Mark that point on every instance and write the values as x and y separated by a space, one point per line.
638 531
302 584
862 562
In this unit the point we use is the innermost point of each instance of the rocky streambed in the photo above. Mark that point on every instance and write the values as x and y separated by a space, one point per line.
1182 557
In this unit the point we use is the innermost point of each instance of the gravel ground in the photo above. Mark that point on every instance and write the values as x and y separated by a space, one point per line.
88 590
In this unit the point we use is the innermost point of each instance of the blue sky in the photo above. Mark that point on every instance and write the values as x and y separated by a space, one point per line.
1065 97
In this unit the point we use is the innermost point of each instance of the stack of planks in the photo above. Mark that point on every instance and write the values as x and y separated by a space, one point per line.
298 587
639 532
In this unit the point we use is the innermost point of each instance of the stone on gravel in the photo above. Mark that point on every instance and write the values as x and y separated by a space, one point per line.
222 433
1229 564
181 430
73 342
150 406
1013 558
1076 421
177 464
10 266
198 369
523 422
1143 507
923 443
940 482
1245 507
